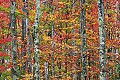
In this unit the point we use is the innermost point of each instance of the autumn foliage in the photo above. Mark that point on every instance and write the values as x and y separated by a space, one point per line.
67 39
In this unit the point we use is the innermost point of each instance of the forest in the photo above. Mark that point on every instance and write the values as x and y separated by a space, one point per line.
59 39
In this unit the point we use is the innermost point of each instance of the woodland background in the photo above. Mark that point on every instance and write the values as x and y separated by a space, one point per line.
60 39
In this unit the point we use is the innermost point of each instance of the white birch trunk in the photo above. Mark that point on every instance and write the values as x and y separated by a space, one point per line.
36 71
46 71
53 42
102 34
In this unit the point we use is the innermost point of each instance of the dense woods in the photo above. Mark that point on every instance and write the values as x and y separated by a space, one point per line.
59 39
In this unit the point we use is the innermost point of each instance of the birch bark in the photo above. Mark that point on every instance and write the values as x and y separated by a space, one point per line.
14 42
36 71
46 71
102 34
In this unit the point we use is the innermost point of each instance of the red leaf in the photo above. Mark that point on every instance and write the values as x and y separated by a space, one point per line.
3 54
2 68
32 61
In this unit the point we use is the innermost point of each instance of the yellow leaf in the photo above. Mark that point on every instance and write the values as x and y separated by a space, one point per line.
9 78
17 11
46 38
20 65
61 2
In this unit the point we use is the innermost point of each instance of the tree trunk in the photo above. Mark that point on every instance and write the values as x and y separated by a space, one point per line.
83 45
24 27
27 30
102 39
36 71
14 42
29 53
23 45
53 43
46 71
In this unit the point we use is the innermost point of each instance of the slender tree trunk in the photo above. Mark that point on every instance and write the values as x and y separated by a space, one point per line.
53 42
36 71
23 29
52 49
117 22
27 30
117 19
66 56
46 71
102 39
83 35
14 44
23 45
29 53
24 65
